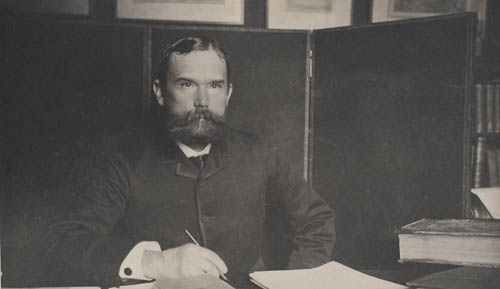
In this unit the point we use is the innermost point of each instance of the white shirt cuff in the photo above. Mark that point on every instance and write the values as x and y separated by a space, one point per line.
131 267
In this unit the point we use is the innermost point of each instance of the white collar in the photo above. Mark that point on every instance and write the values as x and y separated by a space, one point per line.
189 152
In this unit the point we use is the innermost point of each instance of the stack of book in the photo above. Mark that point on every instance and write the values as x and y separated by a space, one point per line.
473 243
487 151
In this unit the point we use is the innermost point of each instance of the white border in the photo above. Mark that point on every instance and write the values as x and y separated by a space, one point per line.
380 11
76 7
232 12
279 18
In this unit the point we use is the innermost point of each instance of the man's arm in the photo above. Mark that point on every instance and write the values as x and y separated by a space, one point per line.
80 246
312 218
84 250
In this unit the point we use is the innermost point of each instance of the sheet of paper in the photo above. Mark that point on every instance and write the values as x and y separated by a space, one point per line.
490 197
199 282
332 275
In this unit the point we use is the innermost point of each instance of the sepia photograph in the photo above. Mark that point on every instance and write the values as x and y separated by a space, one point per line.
211 144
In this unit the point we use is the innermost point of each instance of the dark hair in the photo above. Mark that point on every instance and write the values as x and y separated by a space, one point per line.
185 46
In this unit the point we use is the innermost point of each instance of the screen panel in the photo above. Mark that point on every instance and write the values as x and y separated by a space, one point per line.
268 75
390 129
70 89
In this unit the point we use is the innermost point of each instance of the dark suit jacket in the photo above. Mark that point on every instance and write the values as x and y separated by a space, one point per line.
155 193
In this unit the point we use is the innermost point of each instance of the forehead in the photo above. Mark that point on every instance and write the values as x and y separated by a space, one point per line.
204 63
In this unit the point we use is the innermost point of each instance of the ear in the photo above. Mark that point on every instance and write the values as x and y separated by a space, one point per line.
157 91
229 92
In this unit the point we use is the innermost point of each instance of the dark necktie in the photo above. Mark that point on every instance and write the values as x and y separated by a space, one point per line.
199 161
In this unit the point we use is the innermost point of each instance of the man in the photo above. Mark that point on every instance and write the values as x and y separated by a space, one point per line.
199 176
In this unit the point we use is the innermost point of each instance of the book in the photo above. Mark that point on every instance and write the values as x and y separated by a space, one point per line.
479 165
497 107
472 242
498 166
480 95
491 157
460 278
490 107
330 275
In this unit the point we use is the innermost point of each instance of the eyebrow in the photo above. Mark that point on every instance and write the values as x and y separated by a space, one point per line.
184 79
180 79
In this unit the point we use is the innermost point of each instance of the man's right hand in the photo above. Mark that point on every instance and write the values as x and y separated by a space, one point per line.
183 261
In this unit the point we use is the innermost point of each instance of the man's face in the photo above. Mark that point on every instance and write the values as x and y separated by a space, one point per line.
197 80
198 92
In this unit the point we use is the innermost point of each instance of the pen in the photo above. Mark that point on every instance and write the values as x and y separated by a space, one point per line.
198 244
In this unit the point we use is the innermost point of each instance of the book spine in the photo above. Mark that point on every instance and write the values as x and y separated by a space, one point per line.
491 156
498 166
490 107
497 107
479 169
480 108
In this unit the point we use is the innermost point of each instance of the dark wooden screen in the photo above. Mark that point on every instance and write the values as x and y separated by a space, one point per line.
391 129
70 88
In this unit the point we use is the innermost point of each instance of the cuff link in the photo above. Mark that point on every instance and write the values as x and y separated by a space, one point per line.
127 271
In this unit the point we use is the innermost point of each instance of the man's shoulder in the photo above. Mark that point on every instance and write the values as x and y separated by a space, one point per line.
125 152
238 137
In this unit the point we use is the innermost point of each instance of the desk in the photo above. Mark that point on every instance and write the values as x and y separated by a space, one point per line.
399 274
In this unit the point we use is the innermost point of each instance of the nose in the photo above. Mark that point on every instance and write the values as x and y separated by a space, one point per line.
201 98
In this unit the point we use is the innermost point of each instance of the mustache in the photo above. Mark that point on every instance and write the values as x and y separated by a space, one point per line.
179 122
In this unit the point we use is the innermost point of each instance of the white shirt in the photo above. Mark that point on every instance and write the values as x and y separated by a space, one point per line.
189 152
131 267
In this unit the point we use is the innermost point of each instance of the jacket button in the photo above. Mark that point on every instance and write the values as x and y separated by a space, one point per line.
205 219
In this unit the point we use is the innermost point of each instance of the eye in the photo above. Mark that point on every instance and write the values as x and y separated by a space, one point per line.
186 84
217 85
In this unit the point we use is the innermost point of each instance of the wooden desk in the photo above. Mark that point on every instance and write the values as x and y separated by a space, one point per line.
399 274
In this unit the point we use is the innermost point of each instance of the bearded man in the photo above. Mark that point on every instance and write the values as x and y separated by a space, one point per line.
198 175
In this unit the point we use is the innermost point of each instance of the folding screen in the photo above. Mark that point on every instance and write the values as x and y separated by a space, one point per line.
390 119
391 129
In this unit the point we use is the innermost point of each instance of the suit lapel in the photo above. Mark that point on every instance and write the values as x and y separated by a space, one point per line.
186 168
175 156
213 165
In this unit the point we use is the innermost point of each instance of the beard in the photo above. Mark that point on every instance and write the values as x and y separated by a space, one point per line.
197 127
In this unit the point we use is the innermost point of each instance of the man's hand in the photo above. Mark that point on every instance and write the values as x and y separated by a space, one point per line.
183 261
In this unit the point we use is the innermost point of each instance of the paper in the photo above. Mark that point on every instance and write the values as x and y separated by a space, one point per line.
329 276
205 281
490 197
